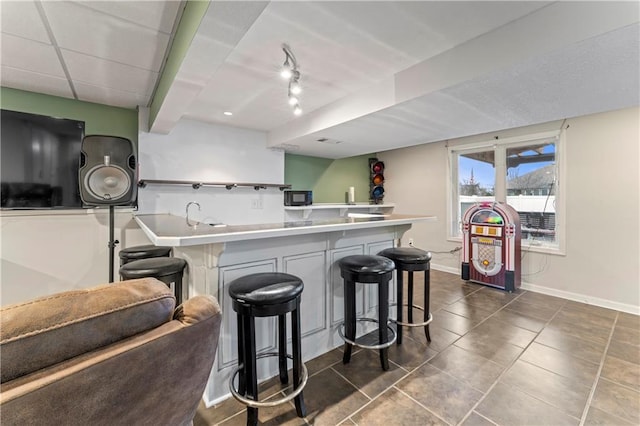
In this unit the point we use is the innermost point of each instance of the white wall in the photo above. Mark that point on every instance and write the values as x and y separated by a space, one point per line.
196 151
601 264
45 252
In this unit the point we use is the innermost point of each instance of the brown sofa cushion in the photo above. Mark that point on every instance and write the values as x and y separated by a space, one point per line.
56 328
153 378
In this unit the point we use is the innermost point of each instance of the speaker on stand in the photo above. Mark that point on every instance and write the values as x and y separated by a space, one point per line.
107 177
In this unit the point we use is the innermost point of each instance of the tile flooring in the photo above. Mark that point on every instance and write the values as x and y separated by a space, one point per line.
495 358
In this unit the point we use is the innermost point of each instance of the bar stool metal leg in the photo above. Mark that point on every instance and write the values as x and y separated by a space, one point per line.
296 334
383 319
282 348
349 318
251 368
410 298
399 291
427 310
242 379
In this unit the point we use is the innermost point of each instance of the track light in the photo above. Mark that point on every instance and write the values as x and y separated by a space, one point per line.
296 89
294 86
286 71
290 72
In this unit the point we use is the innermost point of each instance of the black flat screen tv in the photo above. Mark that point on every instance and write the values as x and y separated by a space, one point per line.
39 158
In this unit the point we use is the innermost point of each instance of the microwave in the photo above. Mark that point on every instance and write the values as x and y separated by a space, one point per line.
298 198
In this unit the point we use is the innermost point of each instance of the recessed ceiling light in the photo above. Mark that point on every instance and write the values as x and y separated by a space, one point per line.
227 113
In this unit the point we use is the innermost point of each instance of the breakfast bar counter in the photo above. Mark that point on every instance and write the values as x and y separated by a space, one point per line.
309 249
175 231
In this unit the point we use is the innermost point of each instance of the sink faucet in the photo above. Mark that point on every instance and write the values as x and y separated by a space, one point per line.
187 210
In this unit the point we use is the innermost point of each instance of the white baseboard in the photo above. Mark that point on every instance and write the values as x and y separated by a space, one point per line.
443 268
576 297
209 404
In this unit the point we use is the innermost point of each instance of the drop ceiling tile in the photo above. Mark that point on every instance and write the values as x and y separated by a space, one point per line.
85 30
30 55
222 28
34 82
102 95
157 15
198 69
21 18
104 73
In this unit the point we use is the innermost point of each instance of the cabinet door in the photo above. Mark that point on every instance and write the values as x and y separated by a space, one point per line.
371 291
337 284
310 268
265 327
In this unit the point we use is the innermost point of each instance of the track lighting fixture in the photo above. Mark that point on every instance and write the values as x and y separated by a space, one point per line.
294 85
290 72
286 69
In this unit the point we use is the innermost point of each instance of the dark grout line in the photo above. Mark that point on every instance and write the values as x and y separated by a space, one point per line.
597 379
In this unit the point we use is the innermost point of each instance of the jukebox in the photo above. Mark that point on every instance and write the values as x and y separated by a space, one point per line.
491 245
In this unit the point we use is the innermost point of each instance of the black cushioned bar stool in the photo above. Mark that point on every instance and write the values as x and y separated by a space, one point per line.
130 254
265 295
169 270
366 269
410 259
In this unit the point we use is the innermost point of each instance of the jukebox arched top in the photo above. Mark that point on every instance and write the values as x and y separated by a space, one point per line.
486 216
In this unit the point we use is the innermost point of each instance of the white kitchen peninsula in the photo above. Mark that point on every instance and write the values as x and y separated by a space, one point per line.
217 255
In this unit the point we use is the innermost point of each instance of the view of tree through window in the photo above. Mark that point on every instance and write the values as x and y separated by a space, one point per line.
476 179
529 174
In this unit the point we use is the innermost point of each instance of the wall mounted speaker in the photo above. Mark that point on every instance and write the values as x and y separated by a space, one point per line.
107 173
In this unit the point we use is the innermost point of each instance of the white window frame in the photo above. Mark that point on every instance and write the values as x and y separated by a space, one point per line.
499 146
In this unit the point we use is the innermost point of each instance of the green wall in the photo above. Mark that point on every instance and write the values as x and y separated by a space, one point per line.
99 119
329 179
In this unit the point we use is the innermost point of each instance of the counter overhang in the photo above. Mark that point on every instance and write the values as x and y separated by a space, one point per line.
174 231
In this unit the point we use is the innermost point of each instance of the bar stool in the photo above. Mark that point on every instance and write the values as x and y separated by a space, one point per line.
130 254
265 295
410 259
366 269
169 270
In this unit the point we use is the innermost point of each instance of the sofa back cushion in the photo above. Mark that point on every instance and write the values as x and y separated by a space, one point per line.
49 330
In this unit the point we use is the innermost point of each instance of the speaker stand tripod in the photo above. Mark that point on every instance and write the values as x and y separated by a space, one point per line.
112 242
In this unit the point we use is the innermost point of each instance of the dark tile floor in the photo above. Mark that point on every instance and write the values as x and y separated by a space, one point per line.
495 358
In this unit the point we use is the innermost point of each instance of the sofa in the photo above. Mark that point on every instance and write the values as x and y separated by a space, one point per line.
115 354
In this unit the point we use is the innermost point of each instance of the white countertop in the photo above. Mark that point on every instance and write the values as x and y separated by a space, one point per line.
169 230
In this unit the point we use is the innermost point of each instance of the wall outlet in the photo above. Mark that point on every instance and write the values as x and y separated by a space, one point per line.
410 242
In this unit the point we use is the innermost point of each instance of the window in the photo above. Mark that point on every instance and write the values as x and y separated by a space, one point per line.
523 172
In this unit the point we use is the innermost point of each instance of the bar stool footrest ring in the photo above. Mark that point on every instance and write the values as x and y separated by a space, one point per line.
412 324
390 342
264 404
